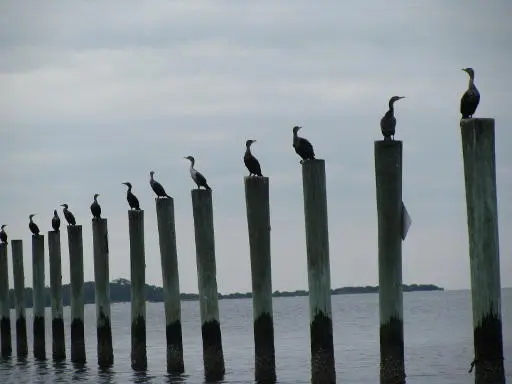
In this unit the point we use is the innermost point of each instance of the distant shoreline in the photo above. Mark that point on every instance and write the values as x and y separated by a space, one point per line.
120 293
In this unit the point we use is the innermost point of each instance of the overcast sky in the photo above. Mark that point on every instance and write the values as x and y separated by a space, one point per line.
96 93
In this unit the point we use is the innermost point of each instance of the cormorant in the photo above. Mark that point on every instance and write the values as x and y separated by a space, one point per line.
3 235
470 98
198 178
388 121
95 207
68 215
132 199
33 226
302 146
157 187
252 163
55 221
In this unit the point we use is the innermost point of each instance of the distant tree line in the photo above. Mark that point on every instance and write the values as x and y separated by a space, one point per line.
120 292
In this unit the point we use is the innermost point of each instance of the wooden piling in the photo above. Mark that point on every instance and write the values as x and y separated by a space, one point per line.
102 292
76 266
213 357
388 176
478 148
5 316
258 222
138 281
39 301
19 298
171 283
54 252
319 277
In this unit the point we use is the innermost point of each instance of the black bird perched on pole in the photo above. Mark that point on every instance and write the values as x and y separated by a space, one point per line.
156 186
95 207
252 163
470 98
68 215
33 226
3 234
302 146
198 178
55 221
132 199
388 121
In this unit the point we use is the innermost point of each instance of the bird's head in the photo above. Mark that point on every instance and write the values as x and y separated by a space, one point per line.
248 143
395 98
64 205
31 216
3 226
191 158
96 196
128 184
151 173
296 129
469 71
55 212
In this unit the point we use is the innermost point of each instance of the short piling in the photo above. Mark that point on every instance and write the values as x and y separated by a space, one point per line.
39 301
5 316
258 222
54 252
19 298
138 281
171 284
76 265
319 276
388 176
213 356
102 292
478 148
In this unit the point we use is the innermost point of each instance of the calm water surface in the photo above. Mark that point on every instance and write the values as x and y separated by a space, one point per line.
438 342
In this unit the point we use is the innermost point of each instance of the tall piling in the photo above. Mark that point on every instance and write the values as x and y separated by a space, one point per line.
76 266
102 292
5 316
213 356
171 283
39 297
478 149
54 251
388 176
138 281
19 298
319 276
258 222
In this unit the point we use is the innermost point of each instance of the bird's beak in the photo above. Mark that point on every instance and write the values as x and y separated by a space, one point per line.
254 141
402 97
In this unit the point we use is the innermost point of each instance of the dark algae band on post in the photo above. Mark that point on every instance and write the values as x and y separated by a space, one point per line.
264 349
488 342
39 338
77 341
21 337
139 357
174 348
5 330
104 338
322 350
212 347
392 370
59 349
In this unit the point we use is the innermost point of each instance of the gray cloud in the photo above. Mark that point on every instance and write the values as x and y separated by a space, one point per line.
93 94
